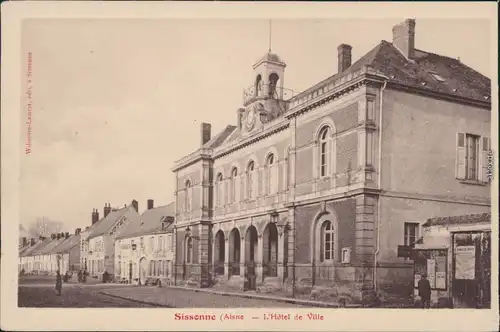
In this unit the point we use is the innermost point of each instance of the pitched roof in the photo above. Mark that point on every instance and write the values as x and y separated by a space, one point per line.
459 220
105 223
150 222
426 70
47 249
33 250
220 137
68 244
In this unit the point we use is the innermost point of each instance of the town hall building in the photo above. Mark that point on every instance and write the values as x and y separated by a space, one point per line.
311 193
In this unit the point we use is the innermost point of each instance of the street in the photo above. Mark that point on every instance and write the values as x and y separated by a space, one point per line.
39 291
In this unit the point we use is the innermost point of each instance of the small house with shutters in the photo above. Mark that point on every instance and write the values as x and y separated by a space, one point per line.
144 251
99 240
455 255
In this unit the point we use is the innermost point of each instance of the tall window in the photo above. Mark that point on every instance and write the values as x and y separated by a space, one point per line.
234 185
410 233
219 190
471 157
328 245
187 197
189 250
324 151
270 175
250 180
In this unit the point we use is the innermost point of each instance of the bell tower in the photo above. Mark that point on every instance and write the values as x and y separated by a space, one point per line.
265 97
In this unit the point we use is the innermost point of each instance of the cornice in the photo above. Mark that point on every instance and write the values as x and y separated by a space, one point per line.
439 95
266 132
200 154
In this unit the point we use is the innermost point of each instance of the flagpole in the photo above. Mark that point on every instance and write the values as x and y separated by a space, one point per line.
270 34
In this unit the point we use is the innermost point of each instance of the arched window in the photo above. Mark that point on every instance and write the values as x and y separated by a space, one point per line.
234 185
273 82
270 175
189 250
187 197
258 85
327 241
250 180
324 151
219 190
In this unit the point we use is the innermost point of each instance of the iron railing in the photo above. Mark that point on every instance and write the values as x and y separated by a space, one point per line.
269 90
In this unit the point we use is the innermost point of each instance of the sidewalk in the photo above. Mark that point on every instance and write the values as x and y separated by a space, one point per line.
183 297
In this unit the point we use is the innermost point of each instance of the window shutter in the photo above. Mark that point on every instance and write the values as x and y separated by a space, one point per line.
485 148
460 162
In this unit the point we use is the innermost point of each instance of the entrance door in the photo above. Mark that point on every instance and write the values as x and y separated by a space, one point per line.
251 242
130 273
143 271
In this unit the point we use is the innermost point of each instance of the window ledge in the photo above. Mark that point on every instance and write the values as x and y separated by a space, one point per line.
474 182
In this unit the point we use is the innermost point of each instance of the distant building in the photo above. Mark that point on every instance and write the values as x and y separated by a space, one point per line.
312 193
144 250
100 237
59 252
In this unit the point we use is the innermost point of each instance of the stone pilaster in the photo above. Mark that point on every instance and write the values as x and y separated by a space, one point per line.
204 254
242 257
226 258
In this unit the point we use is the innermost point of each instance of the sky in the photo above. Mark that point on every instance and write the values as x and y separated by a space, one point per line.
116 102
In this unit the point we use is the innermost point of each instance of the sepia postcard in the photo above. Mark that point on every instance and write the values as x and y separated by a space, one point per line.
249 166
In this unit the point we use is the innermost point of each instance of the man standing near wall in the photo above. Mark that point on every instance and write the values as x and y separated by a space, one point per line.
424 291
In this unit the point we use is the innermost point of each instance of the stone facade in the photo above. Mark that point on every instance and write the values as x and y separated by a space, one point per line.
310 195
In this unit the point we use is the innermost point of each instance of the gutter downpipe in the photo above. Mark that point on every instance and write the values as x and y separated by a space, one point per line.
379 220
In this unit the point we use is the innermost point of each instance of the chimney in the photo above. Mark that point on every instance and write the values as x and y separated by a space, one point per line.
136 205
107 209
95 216
150 204
206 132
32 241
403 37
77 231
344 55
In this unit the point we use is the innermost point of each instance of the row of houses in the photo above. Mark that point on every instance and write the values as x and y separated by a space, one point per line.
315 193
60 252
129 246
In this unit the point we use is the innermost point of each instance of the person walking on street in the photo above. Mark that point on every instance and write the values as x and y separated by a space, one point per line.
79 275
424 291
58 283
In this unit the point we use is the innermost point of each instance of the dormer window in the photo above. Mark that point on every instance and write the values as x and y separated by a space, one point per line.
438 77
